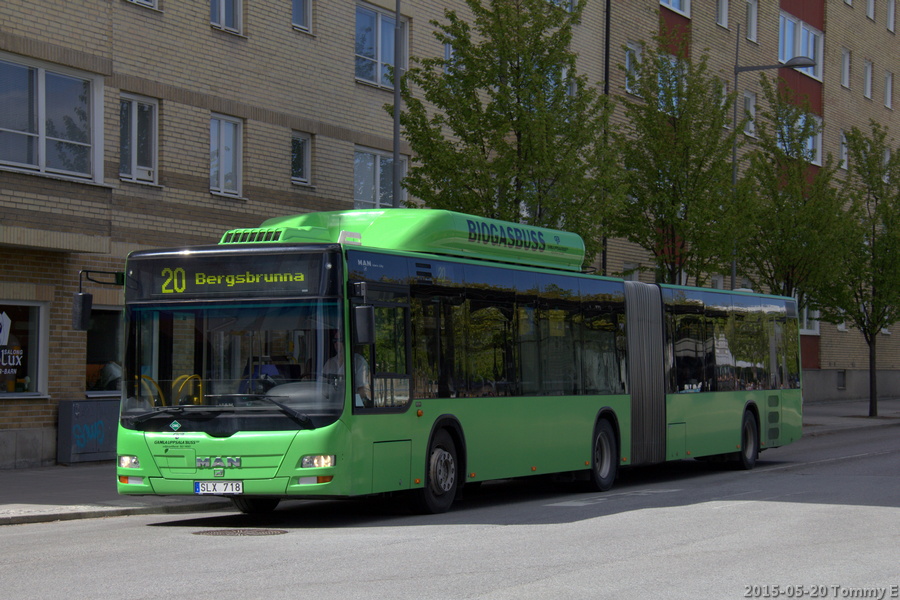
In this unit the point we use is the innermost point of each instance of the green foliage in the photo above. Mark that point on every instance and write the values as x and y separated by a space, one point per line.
505 127
676 151
790 213
864 288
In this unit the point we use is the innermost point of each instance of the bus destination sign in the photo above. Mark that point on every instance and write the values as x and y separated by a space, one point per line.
178 276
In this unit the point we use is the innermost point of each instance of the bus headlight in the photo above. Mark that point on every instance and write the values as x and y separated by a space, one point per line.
317 462
129 462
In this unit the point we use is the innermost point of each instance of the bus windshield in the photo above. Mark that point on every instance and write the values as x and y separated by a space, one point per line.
227 367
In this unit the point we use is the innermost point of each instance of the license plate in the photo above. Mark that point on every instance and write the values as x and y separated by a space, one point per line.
218 487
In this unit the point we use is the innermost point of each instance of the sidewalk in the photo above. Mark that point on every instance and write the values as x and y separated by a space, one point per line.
89 490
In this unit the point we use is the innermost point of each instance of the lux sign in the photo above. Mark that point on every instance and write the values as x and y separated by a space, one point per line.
11 358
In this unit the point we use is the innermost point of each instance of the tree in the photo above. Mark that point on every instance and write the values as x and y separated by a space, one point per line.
676 154
864 288
505 127
790 212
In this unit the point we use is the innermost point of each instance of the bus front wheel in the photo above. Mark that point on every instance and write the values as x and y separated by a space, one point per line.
604 457
441 475
254 506
749 442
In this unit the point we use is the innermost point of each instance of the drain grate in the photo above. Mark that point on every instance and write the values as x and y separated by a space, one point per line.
241 532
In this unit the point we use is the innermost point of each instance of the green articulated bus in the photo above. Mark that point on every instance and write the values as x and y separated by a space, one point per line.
342 354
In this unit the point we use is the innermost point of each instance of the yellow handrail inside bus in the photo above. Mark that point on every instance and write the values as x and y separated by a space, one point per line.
183 380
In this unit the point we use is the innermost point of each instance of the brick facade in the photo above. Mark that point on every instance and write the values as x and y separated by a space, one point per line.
277 79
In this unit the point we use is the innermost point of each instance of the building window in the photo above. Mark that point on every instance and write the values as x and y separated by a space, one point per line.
632 59
843 152
147 3
809 321
752 18
796 38
373 180
814 143
888 89
812 146
631 271
670 79
137 139
23 347
722 13
301 14
867 79
750 113
225 155
301 146
103 373
375 46
845 67
870 9
891 14
50 120
682 6
226 15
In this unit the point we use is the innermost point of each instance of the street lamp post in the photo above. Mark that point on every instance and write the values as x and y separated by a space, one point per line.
798 62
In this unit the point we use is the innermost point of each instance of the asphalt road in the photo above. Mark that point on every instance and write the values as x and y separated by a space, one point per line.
819 518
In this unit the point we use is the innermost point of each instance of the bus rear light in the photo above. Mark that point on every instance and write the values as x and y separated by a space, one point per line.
127 479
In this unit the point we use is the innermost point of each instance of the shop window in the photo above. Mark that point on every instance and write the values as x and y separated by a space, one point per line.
103 372
22 341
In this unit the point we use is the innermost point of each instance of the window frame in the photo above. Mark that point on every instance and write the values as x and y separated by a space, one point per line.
306 177
135 176
750 127
154 4
380 61
752 20
218 15
376 185
304 8
95 127
633 52
870 9
846 63
683 8
722 13
802 31
868 76
891 15
219 189
888 89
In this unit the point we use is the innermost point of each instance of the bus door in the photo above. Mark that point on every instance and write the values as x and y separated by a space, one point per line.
388 373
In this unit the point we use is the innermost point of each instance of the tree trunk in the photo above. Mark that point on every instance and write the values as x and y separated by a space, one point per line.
873 379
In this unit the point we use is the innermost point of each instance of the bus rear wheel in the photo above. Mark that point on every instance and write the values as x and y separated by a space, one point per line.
749 442
441 475
254 506
604 457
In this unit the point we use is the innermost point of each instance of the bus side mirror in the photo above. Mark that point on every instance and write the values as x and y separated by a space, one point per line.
364 324
81 311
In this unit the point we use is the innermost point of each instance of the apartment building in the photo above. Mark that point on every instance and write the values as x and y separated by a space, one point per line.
131 124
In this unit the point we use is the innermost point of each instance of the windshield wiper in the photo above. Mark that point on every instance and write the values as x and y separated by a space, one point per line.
301 418
161 410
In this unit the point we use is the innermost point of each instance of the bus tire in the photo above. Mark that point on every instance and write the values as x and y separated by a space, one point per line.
254 506
604 457
441 475
749 442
